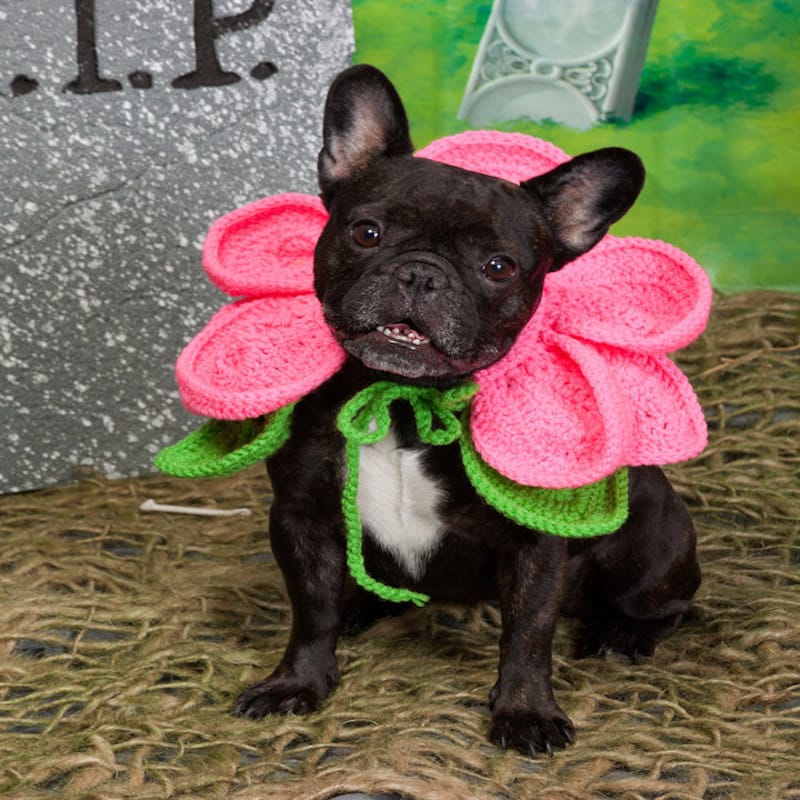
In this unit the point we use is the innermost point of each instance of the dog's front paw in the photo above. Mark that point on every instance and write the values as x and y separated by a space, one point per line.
280 695
531 732
273 696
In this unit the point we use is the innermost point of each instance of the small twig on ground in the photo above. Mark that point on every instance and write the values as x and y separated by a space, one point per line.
151 505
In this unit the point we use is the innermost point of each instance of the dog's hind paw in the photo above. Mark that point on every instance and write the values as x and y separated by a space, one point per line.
530 732
600 642
635 639
363 610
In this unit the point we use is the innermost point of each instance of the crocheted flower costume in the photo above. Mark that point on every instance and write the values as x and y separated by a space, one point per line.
587 389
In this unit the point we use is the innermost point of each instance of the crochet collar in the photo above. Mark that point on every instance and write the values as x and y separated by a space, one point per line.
441 417
586 390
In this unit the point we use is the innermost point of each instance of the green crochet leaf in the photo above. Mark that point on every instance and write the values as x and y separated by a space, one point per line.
222 447
592 510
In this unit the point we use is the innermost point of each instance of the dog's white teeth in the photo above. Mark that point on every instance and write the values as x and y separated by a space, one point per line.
405 335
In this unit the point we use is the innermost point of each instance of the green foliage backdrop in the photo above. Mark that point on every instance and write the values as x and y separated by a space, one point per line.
716 120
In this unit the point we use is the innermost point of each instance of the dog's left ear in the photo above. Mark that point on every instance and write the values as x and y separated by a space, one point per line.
584 196
364 121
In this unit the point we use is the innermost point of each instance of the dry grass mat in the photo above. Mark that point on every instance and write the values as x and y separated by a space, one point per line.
125 637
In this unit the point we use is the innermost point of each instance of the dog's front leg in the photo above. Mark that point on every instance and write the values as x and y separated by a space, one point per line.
525 715
311 555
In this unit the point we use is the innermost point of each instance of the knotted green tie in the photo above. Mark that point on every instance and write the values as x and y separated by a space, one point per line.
365 420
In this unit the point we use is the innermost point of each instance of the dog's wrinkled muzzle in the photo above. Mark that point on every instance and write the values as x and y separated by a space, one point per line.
411 316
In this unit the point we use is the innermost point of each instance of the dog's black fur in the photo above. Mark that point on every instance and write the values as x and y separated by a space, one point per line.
460 259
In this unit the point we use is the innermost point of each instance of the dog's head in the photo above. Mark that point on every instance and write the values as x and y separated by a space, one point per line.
429 272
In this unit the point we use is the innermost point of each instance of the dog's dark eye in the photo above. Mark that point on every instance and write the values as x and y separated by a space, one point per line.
366 234
499 268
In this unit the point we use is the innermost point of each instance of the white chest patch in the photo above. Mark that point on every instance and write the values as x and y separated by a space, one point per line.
398 503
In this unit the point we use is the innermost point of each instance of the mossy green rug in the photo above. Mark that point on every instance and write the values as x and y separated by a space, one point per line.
126 636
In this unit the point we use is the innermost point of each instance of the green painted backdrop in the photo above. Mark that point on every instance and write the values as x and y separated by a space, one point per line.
717 120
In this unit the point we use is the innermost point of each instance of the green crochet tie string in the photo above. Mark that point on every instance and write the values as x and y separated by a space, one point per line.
365 420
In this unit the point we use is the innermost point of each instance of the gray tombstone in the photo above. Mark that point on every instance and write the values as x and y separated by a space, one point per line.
126 128
575 62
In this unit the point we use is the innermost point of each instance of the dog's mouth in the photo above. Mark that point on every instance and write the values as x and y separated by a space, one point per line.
399 348
403 334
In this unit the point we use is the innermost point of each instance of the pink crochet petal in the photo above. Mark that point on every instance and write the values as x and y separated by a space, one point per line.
255 356
547 414
666 420
514 157
636 293
266 247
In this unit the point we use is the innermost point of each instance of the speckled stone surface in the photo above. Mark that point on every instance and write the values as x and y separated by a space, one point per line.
107 196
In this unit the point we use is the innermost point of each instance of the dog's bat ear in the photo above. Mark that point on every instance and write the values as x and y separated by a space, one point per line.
584 196
364 121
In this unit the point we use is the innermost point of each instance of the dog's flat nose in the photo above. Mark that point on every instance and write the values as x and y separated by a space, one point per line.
421 276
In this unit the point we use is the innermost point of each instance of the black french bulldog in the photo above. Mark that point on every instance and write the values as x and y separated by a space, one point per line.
427 273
